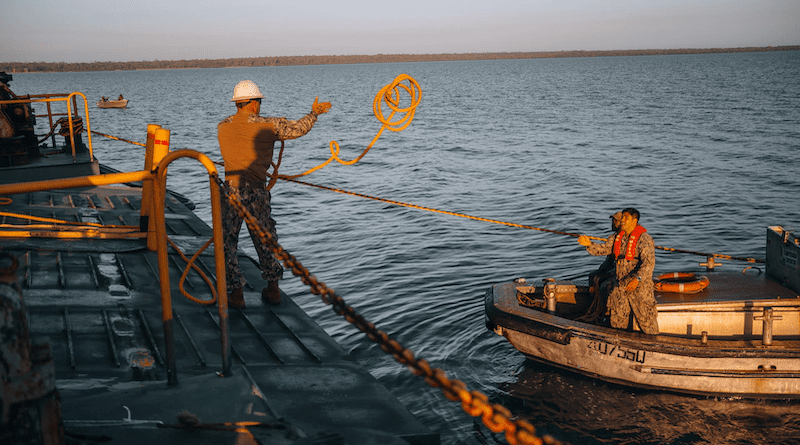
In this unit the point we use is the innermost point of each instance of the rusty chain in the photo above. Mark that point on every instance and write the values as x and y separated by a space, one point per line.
496 417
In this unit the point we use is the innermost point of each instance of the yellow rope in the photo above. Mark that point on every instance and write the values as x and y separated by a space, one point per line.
430 209
55 221
118 139
191 265
494 221
390 94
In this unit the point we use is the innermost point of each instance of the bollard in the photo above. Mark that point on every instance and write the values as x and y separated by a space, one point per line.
711 263
767 317
31 407
160 149
550 294
147 186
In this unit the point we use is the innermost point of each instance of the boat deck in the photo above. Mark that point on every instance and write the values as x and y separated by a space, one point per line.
731 287
98 301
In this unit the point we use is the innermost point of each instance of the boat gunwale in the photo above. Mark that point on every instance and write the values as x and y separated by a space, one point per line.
560 329
642 386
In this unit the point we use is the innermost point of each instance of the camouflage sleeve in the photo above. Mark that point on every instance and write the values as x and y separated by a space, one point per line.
598 249
289 129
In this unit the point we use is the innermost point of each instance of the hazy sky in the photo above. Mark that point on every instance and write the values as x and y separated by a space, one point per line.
133 30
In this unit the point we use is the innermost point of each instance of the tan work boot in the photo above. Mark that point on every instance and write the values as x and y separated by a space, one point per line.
271 294
236 298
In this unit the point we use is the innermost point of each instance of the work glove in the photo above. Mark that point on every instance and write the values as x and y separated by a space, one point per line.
320 107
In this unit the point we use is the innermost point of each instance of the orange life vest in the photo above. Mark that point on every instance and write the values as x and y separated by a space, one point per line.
630 249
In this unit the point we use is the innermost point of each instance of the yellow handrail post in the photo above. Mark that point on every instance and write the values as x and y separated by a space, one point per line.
159 226
160 150
157 177
147 186
219 260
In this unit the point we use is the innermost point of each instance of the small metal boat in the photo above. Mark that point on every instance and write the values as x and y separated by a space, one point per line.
738 337
120 103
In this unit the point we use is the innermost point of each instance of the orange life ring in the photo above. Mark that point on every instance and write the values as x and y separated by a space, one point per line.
681 282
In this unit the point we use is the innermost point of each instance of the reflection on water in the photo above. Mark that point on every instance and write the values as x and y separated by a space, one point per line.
583 410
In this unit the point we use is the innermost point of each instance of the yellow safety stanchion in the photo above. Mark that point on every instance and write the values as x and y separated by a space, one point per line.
160 150
147 186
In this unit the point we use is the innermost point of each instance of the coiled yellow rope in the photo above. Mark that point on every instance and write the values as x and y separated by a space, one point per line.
389 94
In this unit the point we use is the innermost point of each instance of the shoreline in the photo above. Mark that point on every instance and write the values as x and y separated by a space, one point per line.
54 67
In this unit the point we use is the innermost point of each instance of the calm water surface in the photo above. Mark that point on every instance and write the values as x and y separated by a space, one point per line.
705 146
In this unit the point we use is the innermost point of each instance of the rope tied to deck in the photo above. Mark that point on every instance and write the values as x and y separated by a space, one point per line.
77 127
496 417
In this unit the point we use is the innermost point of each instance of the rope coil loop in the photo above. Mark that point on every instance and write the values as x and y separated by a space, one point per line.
391 96
190 264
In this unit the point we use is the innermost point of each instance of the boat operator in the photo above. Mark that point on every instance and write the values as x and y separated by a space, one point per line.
246 141
630 291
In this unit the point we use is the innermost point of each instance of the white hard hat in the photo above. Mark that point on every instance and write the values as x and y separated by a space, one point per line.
246 90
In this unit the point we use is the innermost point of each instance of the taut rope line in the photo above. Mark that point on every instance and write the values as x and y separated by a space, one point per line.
494 221
431 209
118 139
496 417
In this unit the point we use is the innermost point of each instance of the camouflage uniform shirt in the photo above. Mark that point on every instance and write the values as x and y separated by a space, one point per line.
246 167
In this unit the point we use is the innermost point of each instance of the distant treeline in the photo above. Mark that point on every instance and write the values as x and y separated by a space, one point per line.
42 67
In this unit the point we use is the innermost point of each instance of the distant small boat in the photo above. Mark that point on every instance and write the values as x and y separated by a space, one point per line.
118 103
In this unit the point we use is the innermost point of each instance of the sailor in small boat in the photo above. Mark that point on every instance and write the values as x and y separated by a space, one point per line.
630 297
104 99
120 97
600 281
246 141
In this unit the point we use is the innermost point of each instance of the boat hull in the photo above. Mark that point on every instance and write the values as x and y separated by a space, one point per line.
728 368
113 103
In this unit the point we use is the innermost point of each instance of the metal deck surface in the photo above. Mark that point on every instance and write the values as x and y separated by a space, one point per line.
98 301
729 286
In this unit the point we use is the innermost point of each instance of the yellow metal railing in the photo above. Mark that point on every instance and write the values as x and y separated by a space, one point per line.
159 196
72 114
157 178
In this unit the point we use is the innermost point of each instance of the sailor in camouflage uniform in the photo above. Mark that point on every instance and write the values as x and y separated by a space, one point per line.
630 291
246 142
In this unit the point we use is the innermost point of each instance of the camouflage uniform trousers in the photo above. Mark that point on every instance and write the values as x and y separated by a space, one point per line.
640 303
257 202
